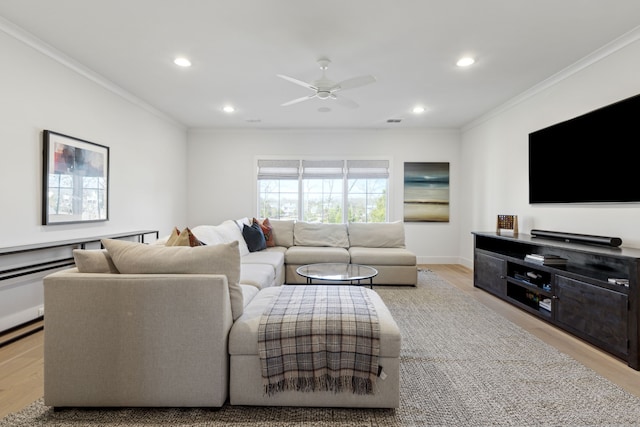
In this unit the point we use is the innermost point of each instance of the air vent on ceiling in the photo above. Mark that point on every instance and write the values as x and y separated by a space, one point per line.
394 120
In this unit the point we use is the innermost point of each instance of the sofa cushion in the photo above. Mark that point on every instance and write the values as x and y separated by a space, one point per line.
272 257
320 234
139 258
300 255
94 261
257 275
382 256
248 293
282 232
377 235
254 237
226 232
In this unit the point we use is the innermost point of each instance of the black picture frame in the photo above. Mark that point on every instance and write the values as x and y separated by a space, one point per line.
75 180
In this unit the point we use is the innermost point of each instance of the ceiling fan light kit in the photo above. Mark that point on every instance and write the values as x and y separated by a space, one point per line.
325 88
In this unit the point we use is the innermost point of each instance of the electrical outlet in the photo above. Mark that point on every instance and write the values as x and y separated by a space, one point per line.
41 311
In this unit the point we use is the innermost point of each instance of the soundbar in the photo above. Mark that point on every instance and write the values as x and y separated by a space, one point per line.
578 238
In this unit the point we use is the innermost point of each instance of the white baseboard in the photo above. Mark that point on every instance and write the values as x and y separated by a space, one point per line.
445 260
16 319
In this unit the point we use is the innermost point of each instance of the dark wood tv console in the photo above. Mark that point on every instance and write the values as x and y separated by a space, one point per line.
578 296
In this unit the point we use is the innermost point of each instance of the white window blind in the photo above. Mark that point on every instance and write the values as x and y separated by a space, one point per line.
367 169
322 169
278 169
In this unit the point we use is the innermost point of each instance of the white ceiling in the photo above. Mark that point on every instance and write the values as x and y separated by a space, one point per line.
238 47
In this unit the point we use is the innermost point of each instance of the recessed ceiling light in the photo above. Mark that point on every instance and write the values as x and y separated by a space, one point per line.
228 109
465 62
418 109
182 62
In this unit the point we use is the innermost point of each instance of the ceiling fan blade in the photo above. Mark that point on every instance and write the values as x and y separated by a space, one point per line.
345 102
295 101
298 82
353 83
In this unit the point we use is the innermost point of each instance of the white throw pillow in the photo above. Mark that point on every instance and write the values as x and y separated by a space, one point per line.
207 234
226 232
241 222
229 231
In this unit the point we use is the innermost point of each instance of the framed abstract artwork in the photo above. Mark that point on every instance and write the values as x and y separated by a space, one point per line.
75 184
426 192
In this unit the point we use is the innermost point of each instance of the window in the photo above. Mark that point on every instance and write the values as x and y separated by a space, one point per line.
330 191
367 183
278 182
322 191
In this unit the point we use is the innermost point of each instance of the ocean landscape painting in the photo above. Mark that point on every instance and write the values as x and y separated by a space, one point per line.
426 192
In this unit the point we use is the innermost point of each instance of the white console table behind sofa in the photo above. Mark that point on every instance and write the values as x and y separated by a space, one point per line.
23 267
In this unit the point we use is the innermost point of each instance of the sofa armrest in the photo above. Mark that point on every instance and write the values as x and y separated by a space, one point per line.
136 339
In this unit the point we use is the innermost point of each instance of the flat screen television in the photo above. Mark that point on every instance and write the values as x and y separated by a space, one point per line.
588 159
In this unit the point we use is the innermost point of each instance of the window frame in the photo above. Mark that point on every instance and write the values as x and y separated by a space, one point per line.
351 168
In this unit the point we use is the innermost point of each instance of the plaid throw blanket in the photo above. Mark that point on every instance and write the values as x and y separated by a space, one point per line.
320 338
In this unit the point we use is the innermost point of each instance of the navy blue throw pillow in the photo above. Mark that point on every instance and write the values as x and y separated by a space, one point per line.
254 237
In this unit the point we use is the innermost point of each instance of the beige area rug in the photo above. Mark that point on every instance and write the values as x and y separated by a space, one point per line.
462 365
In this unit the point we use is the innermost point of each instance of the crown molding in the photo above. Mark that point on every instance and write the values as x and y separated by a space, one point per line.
46 49
596 56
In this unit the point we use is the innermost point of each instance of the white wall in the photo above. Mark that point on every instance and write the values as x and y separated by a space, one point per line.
222 175
161 177
495 155
147 171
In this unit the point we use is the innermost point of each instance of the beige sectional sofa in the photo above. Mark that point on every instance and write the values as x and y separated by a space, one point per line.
149 325
379 245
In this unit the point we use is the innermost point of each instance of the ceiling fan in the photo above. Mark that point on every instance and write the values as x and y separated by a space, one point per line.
326 89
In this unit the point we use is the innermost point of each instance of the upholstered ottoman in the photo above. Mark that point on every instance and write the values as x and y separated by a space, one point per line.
246 382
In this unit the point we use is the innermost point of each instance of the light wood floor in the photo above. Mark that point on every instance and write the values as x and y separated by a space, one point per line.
21 362
21 373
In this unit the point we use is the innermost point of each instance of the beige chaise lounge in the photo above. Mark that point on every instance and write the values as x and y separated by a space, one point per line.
246 379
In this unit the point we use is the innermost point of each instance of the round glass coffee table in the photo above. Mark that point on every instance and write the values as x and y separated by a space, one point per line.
338 272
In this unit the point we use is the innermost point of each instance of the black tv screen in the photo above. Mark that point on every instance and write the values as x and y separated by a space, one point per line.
588 159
